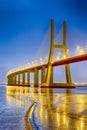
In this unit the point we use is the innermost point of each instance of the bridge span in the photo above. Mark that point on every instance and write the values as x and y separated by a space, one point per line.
19 77
12 76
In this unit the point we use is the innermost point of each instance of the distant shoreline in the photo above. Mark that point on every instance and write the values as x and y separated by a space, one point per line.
3 84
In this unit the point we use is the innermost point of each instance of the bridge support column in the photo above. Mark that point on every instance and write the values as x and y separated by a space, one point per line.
8 80
14 80
11 80
23 78
18 79
51 79
28 78
43 75
36 77
67 67
49 75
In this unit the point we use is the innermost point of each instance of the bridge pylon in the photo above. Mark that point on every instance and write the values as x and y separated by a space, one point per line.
49 74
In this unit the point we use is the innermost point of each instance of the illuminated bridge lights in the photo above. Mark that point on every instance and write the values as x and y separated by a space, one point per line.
60 56
33 64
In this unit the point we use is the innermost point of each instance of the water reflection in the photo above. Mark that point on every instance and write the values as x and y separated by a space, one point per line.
56 111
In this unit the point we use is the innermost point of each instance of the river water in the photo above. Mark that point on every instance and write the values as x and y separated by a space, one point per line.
54 109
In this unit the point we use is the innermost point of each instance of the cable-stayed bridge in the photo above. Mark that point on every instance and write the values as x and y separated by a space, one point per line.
56 55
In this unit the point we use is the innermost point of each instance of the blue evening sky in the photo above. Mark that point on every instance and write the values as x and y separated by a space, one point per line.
23 24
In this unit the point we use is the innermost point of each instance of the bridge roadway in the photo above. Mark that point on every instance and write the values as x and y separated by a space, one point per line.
56 63
14 78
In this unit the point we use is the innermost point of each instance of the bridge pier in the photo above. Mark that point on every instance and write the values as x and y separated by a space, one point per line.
67 67
18 79
11 79
8 80
23 78
49 75
35 77
28 78
14 79
51 78
43 74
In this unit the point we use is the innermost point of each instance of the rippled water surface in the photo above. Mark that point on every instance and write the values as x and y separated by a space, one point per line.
53 109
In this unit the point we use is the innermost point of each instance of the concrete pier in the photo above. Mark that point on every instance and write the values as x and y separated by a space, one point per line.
36 77
23 78
43 74
18 79
28 78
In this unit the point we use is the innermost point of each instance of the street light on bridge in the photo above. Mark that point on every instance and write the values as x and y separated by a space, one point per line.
64 56
81 51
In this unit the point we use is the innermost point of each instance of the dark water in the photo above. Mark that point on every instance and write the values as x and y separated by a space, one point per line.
55 109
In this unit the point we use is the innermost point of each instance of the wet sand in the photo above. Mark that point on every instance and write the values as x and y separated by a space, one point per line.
27 116
52 110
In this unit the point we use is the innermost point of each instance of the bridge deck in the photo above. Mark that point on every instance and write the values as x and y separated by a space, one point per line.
56 63
70 60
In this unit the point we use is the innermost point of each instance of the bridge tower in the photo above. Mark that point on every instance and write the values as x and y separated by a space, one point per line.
49 75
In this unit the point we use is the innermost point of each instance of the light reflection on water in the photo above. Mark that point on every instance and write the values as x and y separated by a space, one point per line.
59 109
12 111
